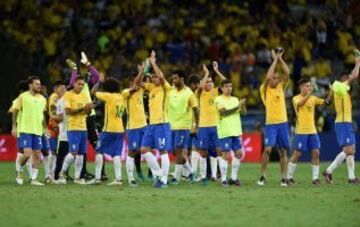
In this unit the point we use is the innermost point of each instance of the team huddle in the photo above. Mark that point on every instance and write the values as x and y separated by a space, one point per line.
190 117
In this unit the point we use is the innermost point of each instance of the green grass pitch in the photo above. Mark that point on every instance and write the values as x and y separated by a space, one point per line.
183 205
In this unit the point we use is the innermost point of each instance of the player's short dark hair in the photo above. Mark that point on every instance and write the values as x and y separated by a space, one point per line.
344 73
32 78
224 82
111 85
194 79
180 74
81 77
303 80
58 82
22 86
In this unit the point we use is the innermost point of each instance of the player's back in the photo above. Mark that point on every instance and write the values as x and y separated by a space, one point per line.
114 109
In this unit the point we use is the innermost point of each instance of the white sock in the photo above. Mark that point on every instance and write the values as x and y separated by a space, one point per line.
46 166
69 159
291 170
203 166
18 166
99 162
336 163
195 156
79 160
187 168
178 170
235 165
350 163
130 168
52 164
34 174
153 164
165 166
315 172
213 165
29 166
223 168
117 167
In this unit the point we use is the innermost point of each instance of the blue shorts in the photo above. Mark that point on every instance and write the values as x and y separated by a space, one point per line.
157 137
45 143
110 143
53 143
19 144
134 137
277 134
306 142
180 139
77 141
31 141
207 138
344 134
230 143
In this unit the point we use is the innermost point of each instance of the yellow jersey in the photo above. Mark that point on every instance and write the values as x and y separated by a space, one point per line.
305 122
343 107
158 102
134 104
114 109
52 102
274 102
76 101
208 109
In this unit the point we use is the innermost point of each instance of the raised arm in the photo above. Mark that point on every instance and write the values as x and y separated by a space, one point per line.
204 79
305 98
271 70
95 75
284 67
139 79
156 68
217 71
97 85
74 72
355 72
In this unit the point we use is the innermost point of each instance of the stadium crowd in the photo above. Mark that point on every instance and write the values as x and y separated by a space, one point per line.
239 35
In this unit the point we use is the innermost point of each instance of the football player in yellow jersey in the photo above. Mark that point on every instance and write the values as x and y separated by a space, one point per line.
77 107
343 127
135 128
182 107
158 134
59 89
32 106
21 87
207 140
306 138
277 133
112 136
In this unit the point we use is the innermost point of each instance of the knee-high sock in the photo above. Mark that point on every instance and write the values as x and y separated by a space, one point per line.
153 164
117 167
178 169
223 169
99 161
69 159
187 169
315 171
46 166
350 163
291 170
337 162
194 161
213 165
235 165
18 166
130 168
79 161
165 166
203 167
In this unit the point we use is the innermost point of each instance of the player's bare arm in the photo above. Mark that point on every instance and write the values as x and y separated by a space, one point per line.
271 69
355 72
138 79
217 71
156 68
204 79
283 65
